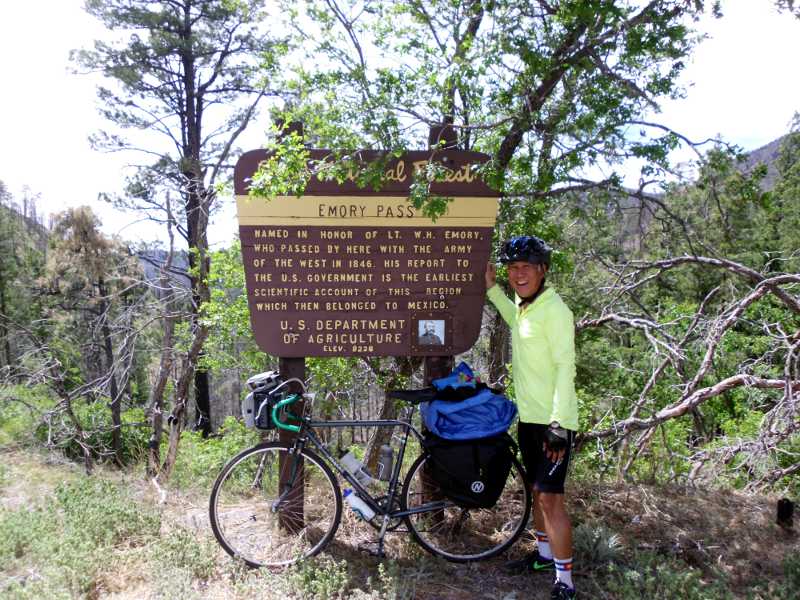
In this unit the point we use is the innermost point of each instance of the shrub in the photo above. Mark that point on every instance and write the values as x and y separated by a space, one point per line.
21 410
319 578
200 460
595 544
65 545
181 549
95 418
656 576
102 514
791 571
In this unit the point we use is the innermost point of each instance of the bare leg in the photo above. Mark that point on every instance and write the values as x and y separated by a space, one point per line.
550 509
538 515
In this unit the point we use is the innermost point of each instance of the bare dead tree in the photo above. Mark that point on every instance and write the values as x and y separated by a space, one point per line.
706 331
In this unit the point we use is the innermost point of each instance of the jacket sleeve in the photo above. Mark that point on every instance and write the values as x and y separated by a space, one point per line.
560 333
503 304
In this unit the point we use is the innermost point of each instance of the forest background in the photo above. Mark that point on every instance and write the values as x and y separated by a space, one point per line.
684 286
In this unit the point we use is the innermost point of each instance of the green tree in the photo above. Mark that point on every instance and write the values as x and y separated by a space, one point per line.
694 341
9 268
22 250
556 93
547 89
185 71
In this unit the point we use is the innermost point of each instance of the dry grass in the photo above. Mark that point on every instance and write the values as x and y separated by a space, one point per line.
723 530
28 476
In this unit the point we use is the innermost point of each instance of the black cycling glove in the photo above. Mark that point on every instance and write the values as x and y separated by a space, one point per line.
557 438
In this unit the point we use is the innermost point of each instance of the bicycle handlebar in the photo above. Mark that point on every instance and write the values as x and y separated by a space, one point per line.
276 419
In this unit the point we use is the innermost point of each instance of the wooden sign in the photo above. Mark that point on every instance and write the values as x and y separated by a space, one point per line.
343 271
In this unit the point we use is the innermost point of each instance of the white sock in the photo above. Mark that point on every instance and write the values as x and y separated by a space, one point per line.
543 544
564 571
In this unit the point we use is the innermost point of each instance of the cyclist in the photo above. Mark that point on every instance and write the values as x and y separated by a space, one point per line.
543 361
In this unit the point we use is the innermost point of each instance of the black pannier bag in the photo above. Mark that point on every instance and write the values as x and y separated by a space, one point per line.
471 473
257 406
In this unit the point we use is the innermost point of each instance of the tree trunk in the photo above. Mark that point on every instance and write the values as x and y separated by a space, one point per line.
197 207
4 328
156 404
198 201
202 397
80 434
116 397
403 368
499 343
383 435
181 397
435 367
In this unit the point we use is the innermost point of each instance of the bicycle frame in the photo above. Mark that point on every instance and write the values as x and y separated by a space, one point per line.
306 434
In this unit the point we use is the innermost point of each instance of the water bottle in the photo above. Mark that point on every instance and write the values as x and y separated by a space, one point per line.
354 467
385 461
360 507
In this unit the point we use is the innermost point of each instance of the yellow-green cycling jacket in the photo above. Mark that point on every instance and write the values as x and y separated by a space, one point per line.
543 357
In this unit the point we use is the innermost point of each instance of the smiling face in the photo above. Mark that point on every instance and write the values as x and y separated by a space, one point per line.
525 277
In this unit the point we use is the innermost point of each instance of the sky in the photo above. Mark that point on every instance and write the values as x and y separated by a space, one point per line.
741 83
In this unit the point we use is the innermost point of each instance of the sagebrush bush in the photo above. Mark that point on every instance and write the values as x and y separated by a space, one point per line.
104 514
320 578
184 550
656 576
62 546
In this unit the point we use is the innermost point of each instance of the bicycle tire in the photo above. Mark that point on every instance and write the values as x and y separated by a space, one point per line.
242 514
488 532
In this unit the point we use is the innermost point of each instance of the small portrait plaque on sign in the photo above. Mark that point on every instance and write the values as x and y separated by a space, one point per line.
431 333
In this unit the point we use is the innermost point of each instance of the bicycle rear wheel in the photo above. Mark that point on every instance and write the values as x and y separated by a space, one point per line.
460 534
271 508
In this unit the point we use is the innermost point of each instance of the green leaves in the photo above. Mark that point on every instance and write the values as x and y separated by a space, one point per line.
546 91
285 172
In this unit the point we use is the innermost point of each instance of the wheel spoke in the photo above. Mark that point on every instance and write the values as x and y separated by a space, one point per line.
250 524
461 534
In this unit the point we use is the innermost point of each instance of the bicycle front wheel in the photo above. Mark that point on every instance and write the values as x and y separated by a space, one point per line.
271 508
464 534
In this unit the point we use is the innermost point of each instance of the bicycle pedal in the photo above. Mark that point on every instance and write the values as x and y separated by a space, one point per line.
372 548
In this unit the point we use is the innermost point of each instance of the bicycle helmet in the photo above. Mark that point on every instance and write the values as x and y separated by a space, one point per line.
527 248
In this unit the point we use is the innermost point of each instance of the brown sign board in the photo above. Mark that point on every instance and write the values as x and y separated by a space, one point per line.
343 271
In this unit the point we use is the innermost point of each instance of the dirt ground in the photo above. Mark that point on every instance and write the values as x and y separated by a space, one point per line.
712 530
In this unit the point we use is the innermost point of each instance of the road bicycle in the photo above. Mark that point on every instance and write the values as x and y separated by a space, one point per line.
279 502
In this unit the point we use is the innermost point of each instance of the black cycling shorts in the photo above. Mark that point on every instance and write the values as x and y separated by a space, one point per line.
545 476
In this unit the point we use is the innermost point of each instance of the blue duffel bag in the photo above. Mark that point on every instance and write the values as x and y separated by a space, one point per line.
483 415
